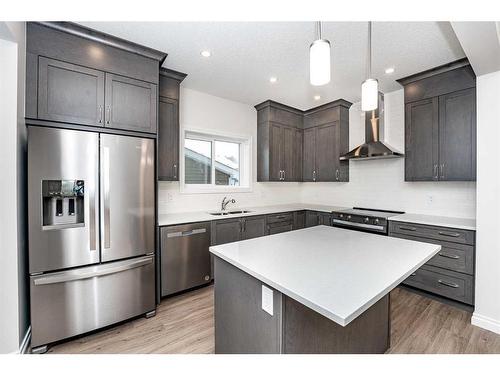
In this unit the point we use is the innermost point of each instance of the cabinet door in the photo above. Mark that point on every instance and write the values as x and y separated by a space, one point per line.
288 154
130 104
275 152
325 219
421 119
253 227
457 136
312 219
297 155
226 231
70 93
168 140
309 153
299 220
327 153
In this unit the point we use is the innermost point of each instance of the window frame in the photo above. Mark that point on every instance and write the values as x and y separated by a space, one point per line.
212 136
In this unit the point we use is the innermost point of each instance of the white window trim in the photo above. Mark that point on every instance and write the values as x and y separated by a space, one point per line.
245 160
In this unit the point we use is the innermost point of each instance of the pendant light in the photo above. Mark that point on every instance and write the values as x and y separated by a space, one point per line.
319 60
369 88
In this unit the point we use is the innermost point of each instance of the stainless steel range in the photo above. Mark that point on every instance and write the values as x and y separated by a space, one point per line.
364 219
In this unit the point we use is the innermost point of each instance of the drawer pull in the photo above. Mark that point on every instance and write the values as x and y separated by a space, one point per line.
446 234
413 274
411 229
447 283
451 256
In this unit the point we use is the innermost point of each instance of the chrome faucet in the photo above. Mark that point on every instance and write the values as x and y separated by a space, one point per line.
225 202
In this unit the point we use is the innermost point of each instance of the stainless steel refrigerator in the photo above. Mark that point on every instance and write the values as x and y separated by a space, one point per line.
91 210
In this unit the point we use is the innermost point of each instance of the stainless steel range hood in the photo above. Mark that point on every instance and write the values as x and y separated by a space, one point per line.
373 148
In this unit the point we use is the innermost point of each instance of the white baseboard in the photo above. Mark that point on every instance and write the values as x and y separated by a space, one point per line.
25 344
486 323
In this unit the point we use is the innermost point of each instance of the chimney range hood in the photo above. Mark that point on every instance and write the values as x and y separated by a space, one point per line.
373 148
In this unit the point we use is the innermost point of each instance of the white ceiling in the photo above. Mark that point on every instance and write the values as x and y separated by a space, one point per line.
246 54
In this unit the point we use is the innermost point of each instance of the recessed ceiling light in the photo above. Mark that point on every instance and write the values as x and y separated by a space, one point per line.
205 53
273 79
317 97
389 70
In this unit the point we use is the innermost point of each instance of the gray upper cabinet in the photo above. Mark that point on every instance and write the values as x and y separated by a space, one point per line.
457 136
421 142
76 76
279 142
70 93
440 124
168 124
130 104
294 145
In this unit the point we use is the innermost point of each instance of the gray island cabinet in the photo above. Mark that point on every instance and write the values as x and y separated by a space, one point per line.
313 290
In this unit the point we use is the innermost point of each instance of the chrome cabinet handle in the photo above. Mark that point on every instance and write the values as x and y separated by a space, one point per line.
100 114
241 227
337 174
175 170
411 229
442 170
447 283
284 175
244 225
446 234
108 114
436 176
451 256
413 274
107 210
314 175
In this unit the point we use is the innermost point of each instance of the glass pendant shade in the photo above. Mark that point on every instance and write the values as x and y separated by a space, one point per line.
319 62
369 95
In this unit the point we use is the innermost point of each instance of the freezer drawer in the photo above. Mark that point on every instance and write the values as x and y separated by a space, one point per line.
185 257
69 303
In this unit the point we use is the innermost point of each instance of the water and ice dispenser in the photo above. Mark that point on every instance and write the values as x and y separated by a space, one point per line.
63 203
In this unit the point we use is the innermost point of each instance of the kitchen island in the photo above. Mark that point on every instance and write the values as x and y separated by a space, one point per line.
314 290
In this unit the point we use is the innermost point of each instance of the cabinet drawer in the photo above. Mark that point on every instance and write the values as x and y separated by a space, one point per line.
427 231
445 283
279 218
279 228
453 256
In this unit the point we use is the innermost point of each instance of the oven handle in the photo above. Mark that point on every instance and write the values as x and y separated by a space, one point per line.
359 225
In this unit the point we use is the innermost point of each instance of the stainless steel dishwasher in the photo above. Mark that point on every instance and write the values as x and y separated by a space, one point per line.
185 258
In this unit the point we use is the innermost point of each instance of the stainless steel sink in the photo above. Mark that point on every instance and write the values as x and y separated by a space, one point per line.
223 213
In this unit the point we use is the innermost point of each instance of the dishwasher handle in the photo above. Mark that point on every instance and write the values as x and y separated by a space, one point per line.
186 233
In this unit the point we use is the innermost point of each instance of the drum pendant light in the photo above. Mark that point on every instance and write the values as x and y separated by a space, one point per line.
319 60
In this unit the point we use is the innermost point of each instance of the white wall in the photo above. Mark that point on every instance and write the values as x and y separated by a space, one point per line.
202 111
487 309
14 314
380 183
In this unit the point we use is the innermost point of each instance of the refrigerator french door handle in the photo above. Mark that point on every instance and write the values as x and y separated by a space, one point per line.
92 220
105 187
73 276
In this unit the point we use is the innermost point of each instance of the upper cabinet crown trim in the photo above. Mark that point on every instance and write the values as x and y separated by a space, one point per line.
170 73
272 103
434 71
335 103
110 40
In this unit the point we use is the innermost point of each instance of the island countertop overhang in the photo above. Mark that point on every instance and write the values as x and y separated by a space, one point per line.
336 272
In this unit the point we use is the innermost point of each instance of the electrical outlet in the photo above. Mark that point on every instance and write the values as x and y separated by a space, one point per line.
430 199
170 197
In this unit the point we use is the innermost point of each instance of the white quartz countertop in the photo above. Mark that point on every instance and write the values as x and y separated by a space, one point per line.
336 272
440 221
199 216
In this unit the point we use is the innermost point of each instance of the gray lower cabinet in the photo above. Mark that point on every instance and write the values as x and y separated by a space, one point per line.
130 104
312 218
237 229
299 219
70 93
450 273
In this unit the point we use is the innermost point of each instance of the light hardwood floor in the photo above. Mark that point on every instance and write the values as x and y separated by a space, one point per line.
184 324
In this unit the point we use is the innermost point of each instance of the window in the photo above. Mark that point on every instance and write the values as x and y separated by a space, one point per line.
215 163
